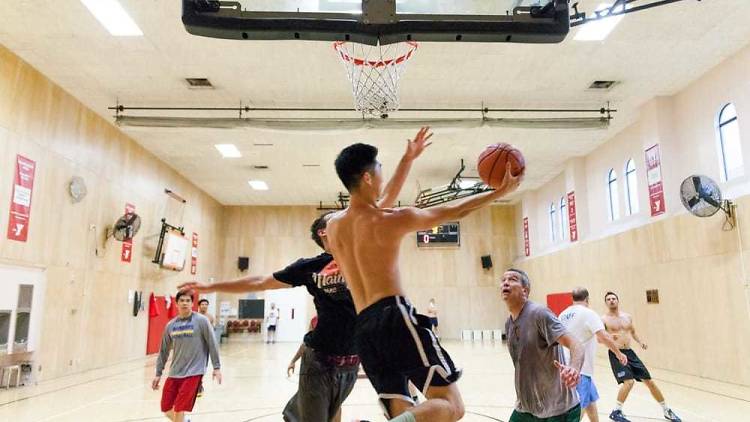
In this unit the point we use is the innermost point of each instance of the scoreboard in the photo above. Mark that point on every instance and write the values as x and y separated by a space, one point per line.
447 234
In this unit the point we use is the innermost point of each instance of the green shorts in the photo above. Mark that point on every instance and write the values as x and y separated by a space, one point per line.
572 415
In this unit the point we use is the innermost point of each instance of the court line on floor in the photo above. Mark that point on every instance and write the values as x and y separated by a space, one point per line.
103 377
83 406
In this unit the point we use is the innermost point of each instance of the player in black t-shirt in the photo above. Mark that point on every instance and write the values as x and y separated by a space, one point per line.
329 361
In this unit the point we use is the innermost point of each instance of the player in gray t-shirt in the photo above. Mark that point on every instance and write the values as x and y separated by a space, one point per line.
191 339
545 385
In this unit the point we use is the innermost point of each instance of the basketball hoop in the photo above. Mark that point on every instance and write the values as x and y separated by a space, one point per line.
374 72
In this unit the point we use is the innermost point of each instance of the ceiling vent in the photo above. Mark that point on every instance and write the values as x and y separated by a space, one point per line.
199 83
261 167
605 85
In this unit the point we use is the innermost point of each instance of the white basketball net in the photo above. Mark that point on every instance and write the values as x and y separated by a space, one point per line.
374 72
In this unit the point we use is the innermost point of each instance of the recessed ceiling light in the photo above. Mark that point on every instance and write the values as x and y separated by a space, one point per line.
258 184
599 29
228 150
199 83
112 16
602 84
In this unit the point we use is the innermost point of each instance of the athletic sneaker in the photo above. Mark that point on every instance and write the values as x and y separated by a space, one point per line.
617 416
671 416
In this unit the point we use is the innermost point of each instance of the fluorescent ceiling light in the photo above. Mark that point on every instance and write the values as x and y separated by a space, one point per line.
258 184
228 150
599 29
111 14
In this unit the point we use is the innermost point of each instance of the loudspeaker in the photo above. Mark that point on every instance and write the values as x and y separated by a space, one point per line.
486 262
243 263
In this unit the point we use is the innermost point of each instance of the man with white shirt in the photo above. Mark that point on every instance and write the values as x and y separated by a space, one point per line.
272 319
587 327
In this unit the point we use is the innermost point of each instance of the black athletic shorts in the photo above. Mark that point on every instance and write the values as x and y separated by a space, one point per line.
635 369
271 328
396 345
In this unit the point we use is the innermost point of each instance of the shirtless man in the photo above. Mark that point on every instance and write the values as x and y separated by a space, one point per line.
620 326
394 343
329 366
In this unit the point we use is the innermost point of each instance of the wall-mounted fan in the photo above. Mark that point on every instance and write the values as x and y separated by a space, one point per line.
702 197
125 227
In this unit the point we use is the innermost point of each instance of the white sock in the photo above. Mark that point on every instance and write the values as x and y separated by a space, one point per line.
664 406
619 406
404 417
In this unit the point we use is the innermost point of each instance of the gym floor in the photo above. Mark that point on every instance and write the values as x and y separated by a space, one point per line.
256 388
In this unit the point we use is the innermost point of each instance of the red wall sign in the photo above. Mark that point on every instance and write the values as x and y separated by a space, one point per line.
655 185
127 245
526 244
20 201
194 255
558 302
572 222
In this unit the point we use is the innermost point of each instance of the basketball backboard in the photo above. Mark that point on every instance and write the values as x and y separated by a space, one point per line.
383 21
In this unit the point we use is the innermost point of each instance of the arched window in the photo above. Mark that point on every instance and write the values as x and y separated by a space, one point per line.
631 184
730 149
552 221
613 203
563 218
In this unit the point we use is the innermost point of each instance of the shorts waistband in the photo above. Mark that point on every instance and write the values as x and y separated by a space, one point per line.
336 360
381 304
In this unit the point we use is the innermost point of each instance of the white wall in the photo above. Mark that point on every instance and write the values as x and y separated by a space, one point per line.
11 278
293 310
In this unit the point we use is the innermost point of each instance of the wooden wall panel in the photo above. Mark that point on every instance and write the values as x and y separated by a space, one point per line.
702 324
467 296
87 321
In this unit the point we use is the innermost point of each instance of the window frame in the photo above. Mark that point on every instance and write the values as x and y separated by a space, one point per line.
721 126
612 199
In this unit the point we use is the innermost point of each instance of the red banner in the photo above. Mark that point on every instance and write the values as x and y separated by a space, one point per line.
127 245
20 201
194 255
655 185
526 243
572 222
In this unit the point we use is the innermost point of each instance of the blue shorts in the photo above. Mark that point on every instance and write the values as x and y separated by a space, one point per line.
587 391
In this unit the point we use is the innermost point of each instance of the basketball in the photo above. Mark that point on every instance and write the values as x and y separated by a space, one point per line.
492 161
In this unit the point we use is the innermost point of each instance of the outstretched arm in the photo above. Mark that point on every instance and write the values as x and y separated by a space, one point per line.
411 219
414 149
253 283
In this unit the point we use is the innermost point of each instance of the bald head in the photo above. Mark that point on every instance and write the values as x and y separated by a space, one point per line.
580 294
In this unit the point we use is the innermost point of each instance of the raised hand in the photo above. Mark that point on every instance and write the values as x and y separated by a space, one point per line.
196 286
416 146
